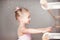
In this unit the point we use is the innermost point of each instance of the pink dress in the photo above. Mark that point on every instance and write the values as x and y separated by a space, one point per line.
25 37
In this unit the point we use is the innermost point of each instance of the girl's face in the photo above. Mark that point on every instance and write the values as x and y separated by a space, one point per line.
25 18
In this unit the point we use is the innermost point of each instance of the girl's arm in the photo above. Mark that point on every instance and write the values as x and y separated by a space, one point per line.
51 13
44 3
34 31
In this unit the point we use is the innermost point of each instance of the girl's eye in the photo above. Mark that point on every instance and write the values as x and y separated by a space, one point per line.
28 16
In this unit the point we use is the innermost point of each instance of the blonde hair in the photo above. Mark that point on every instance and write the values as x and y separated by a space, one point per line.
21 10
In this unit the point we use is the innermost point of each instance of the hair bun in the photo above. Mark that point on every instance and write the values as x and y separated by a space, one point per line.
17 8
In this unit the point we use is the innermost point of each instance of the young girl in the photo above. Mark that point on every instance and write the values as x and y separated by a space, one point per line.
22 15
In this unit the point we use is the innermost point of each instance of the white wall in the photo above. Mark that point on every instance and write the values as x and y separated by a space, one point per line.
8 24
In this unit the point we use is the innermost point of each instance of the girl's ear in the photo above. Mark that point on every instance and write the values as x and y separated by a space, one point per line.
19 19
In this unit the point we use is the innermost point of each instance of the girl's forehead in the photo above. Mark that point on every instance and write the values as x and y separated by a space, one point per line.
26 14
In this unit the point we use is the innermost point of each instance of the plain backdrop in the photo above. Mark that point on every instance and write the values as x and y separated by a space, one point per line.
39 17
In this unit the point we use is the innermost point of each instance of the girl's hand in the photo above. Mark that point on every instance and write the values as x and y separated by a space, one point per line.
49 29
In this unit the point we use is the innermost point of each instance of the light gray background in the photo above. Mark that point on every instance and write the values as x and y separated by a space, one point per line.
9 25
